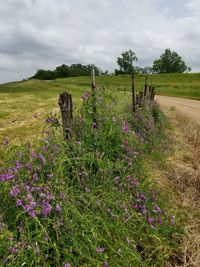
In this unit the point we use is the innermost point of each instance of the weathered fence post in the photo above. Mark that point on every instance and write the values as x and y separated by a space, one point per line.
152 93
94 107
145 87
133 92
141 98
66 108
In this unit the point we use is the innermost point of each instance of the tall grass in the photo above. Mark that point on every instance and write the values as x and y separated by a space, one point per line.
86 201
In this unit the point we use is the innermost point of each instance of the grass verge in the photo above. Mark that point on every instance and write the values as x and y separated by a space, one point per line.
87 201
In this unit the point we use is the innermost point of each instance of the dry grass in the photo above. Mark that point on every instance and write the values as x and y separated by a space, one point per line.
181 178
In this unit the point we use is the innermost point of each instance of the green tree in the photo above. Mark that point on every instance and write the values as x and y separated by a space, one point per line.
125 62
44 75
169 62
62 71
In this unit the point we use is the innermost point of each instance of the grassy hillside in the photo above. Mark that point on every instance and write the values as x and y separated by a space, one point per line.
24 105
182 85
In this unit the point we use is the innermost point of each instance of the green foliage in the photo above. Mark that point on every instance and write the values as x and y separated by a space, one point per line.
65 71
44 75
169 62
86 201
125 62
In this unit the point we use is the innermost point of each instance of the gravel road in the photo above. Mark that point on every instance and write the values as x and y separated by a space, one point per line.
189 107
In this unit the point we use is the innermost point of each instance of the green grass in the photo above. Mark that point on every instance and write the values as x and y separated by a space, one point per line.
181 85
87 201
24 105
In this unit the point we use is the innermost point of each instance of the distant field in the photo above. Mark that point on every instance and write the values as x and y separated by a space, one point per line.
24 105
182 85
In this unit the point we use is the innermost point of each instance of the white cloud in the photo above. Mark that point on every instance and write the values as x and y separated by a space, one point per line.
45 33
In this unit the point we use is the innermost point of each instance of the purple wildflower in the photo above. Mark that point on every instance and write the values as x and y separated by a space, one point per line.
66 265
49 175
159 220
94 125
129 177
19 202
46 209
51 120
33 154
124 127
85 96
7 175
63 196
134 182
18 165
14 191
105 264
35 176
37 251
12 250
58 208
151 221
100 250
42 158
32 213
156 209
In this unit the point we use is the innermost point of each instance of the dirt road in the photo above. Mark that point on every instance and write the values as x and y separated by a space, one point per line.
189 107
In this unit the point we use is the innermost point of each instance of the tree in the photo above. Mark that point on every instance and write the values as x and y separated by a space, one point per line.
125 62
169 62
44 75
62 71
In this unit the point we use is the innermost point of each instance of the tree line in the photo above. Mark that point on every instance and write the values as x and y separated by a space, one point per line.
65 71
168 62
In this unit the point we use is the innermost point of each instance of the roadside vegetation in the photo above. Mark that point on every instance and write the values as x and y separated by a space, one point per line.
24 105
89 200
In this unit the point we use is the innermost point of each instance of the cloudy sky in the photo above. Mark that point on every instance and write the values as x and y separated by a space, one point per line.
38 34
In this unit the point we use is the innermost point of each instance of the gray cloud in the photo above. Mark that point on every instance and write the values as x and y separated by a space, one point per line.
45 33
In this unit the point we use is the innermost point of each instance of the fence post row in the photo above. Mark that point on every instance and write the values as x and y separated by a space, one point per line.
66 108
147 93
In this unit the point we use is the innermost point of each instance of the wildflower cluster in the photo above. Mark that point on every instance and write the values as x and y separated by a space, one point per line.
86 201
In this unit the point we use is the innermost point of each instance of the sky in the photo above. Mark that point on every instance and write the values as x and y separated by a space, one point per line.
43 34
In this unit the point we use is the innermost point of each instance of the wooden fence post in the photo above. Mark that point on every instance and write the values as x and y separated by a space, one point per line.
94 106
133 92
66 108
145 87
152 93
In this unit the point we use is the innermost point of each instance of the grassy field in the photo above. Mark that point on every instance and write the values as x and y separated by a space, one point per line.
91 200
181 85
24 105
